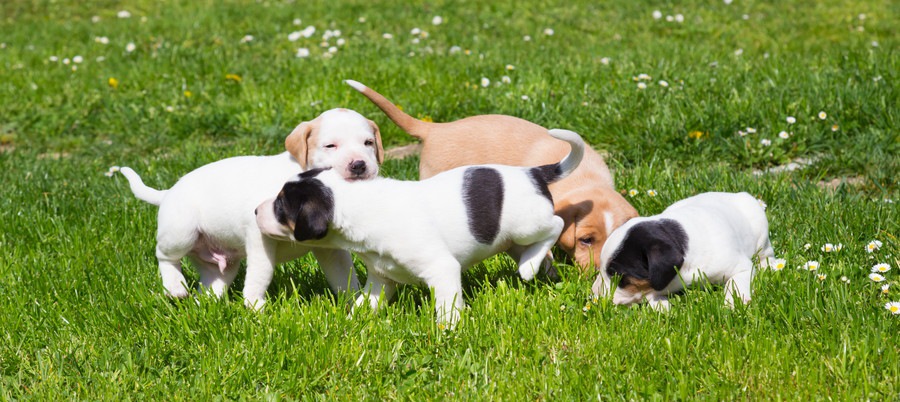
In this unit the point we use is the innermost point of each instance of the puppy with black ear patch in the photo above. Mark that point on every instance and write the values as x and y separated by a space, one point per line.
428 231
710 237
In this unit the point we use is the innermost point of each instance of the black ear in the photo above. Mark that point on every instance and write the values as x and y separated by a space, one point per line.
311 205
653 251
666 255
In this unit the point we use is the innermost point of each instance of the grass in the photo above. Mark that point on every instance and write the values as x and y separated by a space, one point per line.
82 312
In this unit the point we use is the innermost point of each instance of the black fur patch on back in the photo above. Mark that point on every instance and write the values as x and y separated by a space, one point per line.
483 197
542 176
309 204
652 251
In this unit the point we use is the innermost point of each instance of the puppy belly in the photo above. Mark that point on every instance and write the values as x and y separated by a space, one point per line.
209 252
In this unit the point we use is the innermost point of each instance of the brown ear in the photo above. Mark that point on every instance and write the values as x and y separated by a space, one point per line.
379 149
297 143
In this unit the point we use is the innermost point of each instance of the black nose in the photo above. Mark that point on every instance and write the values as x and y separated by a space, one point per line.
256 211
358 167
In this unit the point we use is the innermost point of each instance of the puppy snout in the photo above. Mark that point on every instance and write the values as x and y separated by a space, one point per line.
256 211
358 167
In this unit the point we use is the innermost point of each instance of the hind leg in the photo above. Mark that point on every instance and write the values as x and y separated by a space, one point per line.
169 254
739 284
537 247
260 269
337 265
546 265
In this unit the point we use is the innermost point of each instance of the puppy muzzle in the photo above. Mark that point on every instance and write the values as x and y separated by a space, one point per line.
268 224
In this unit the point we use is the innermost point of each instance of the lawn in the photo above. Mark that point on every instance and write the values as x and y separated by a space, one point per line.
682 97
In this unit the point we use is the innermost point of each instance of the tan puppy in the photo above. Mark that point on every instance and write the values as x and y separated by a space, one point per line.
586 200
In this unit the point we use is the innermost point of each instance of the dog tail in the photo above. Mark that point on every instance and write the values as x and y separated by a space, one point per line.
558 171
415 127
140 190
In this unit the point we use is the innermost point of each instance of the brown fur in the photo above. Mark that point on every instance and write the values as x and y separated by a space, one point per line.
580 199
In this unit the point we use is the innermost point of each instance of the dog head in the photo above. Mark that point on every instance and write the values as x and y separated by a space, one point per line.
645 255
341 139
590 221
302 210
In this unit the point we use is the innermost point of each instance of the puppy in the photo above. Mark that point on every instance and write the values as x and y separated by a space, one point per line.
586 200
428 231
710 237
208 214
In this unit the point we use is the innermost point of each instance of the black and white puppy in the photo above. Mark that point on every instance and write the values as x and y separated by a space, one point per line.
710 237
428 231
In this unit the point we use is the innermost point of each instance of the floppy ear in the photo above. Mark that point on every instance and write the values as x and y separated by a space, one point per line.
315 211
663 262
379 149
297 143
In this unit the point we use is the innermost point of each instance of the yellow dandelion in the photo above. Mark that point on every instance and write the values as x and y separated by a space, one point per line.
113 83
233 77
188 94
696 135
427 119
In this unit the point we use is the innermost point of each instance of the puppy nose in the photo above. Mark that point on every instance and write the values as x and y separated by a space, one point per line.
358 167
256 211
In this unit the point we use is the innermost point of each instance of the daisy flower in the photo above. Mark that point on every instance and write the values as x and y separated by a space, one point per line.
751 130
77 59
807 246
893 307
739 52
437 20
527 38
791 120
643 77
657 14
642 85
123 14
873 246
510 67
784 135
387 36
632 193
505 79
679 18
302 52
882 268
886 288
485 82
845 279
102 40
828 247
821 277
835 127
742 133
53 59
415 31
762 203
822 115
765 142
130 47
778 265
876 277
247 38
308 31
651 193
811 265
604 61
663 84
548 31
294 36
297 21
455 49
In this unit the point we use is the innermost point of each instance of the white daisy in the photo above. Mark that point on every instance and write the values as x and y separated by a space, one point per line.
130 47
657 14
505 79
881 268
548 31
679 18
123 14
765 142
822 115
651 193
784 135
295 36
778 264
297 21
604 61
77 59
791 120
873 246
886 288
247 38
876 277
437 20
811 265
632 192
485 82
893 307
641 85
302 52
387 36
527 38
308 31
663 84
827 247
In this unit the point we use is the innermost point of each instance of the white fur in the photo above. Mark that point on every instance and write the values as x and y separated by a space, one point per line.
208 214
418 232
725 231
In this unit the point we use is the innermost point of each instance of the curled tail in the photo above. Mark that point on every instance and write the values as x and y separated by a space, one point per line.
411 125
558 171
140 190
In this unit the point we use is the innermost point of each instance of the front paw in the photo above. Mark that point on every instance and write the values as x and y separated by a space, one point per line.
255 304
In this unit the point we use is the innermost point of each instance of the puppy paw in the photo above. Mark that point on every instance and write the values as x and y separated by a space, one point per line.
176 290
255 304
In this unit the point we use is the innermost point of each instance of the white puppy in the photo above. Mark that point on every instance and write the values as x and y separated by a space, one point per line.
208 214
428 231
708 237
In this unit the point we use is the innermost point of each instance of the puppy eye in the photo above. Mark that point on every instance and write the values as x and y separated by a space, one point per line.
586 241
369 143
331 146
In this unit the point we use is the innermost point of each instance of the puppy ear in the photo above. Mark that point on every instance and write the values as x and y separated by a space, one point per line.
315 211
379 149
663 262
297 143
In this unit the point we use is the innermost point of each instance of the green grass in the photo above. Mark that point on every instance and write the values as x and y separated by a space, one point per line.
81 310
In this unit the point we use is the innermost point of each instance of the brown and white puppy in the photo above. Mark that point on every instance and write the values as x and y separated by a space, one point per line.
208 214
587 201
